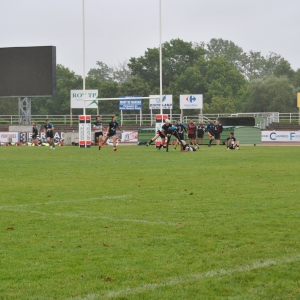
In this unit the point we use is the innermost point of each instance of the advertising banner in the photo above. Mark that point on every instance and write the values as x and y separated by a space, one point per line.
6 137
280 136
124 137
191 101
77 98
16 137
167 102
127 103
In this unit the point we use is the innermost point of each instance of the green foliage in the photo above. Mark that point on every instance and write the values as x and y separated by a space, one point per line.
177 56
220 70
271 94
90 224
66 81
9 106
252 65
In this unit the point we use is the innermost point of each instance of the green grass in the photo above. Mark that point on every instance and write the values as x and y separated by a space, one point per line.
142 224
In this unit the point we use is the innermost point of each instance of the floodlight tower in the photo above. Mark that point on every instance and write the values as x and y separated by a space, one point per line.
83 48
160 59
24 110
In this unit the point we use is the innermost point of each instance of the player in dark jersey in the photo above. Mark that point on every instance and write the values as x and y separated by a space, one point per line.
35 133
111 132
48 129
218 131
181 129
162 133
192 132
187 148
232 143
210 129
98 127
200 133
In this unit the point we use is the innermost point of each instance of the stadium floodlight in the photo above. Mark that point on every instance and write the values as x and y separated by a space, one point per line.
83 50
160 60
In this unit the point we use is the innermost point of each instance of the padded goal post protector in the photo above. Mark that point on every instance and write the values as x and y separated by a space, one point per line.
85 134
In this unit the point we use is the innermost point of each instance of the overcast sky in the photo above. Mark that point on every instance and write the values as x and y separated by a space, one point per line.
116 30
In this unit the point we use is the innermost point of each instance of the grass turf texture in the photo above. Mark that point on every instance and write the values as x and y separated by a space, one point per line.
145 224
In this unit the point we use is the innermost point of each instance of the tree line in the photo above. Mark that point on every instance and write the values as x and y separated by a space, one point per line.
230 80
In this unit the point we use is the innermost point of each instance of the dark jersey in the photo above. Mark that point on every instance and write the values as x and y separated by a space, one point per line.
112 128
200 131
210 128
34 130
98 126
218 128
192 128
165 128
49 131
233 140
181 128
188 148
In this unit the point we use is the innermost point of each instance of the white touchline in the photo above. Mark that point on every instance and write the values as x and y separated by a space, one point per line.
192 277
65 201
70 215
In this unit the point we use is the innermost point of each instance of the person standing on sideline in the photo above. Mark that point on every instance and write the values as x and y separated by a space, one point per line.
35 133
200 132
232 143
111 132
48 129
218 131
192 132
210 129
98 127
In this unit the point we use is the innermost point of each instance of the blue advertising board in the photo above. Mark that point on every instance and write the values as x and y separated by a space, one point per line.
128 103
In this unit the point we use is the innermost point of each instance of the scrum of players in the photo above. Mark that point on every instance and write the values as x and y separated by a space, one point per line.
167 131
195 135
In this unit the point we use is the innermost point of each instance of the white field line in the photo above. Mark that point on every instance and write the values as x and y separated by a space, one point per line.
191 278
19 208
65 201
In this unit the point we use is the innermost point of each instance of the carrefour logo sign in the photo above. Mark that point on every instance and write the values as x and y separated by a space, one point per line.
191 101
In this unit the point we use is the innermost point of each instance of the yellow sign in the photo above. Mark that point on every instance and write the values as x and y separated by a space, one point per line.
298 100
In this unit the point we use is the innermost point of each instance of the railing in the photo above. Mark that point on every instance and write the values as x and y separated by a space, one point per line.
149 119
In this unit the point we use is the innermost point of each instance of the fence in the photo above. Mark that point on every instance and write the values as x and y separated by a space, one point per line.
148 119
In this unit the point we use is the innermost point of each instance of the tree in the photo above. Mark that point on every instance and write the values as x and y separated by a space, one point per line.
220 104
177 56
227 49
102 73
66 81
296 79
283 68
120 73
9 106
251 65
108 90
191 81
224 81
270 94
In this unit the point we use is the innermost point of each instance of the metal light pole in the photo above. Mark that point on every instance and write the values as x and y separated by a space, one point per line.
160 60
83 48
